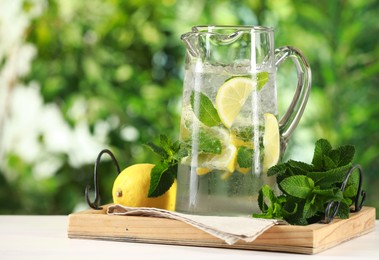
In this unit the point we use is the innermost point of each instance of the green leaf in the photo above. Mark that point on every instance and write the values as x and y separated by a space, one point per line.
329 163
302 166
299 186
350 191
347 153
244 133
328 178
277 169
209 144
272 210
203 108
166 144
264 192
175 147
322 148
162 176
157 150
182 152
310 207
330 193
262 78
334 194
347 201
245 157
343 211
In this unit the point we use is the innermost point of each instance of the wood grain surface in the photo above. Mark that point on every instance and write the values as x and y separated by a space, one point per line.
311 239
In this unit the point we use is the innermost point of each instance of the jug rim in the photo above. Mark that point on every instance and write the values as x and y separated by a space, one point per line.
210 28
226 30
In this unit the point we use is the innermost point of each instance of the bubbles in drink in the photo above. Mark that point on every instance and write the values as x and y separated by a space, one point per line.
223 172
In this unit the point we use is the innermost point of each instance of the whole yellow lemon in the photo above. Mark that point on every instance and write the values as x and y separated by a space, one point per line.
132 185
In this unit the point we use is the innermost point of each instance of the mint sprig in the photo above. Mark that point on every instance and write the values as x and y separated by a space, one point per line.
308 188
164 173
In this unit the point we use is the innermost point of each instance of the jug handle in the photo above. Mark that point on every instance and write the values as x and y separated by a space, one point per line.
291 118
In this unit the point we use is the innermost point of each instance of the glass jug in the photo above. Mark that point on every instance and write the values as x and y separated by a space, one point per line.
229 121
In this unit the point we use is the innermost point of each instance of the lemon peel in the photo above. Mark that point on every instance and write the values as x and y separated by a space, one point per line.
131 187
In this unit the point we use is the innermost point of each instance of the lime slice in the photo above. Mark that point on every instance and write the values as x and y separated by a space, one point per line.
231 97
271 142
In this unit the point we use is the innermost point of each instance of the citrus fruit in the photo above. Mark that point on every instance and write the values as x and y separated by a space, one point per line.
271 142
206 162
225 161
238 142
202 170
231 97
131 187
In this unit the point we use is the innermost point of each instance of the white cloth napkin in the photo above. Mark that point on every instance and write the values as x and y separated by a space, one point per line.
229 229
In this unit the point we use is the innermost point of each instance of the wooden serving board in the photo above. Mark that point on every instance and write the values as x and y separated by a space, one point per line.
311 239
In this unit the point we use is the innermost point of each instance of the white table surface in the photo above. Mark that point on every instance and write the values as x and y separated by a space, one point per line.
45 237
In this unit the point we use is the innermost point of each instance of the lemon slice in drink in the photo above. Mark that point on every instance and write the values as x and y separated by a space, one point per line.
207 162
202 170
231 97
226 161
271 142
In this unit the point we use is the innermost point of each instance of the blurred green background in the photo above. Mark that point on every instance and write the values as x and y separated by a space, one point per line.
80 76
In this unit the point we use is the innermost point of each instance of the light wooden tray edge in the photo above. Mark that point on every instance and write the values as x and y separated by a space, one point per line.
311 239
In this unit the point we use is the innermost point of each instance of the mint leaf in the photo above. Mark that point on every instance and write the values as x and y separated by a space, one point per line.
167 146
350 191
331 194
262 78
205 142
209 144
244 133
277 170
175 147
343 211
157 149
347 154
330 177
180 153
204 109
162 176
299 186
322 148
310 207
274 209
245 157
304 167
265 192
329 163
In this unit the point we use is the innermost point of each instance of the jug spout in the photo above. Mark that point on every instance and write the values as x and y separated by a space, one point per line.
213 41
190 41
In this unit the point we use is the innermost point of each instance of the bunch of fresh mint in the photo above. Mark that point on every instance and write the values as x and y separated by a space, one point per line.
308 188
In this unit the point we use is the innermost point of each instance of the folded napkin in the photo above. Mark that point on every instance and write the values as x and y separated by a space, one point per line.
229 229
